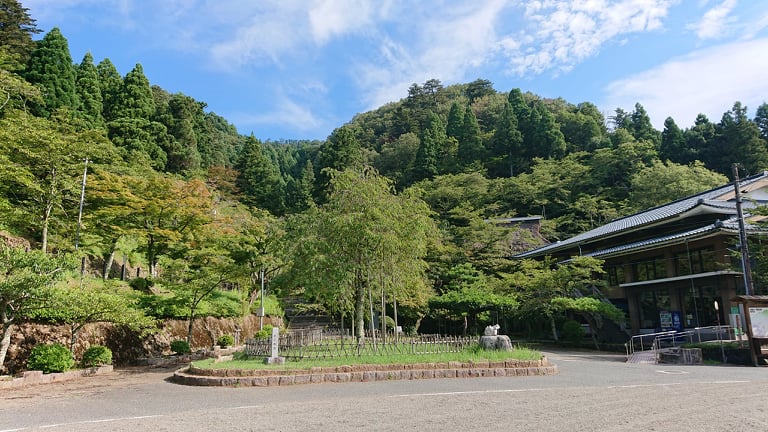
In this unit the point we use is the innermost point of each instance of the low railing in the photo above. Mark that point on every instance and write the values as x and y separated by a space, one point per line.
312 345
646 340
673 338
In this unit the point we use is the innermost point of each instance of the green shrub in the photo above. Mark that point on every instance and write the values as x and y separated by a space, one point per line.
95 356
141 284
50 358
180 347
264 333
573 332
225 340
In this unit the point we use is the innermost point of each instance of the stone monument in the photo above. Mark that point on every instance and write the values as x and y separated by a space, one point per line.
274 358
492 340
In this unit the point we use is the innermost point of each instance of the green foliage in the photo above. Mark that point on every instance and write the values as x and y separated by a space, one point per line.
264 333
225 340
77 306
180 347
573 332
50 358
141 284
95 356
26 286
365 232
50 67
89 92
660 183
259 178
16 30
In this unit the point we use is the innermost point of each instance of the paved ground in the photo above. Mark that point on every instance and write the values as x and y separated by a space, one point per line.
593 391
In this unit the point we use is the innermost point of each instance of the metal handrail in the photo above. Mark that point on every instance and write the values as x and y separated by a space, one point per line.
629 346
673 336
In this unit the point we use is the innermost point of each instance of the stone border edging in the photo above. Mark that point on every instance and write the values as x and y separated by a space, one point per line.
194 376
29 378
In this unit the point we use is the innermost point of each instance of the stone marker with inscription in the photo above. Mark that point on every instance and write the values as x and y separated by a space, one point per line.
274 358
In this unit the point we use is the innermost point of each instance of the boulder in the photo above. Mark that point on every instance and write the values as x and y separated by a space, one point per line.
497 342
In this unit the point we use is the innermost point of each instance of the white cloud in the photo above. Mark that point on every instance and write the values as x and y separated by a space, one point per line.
445 43
330 18
286 112
708 81
561 34
715 21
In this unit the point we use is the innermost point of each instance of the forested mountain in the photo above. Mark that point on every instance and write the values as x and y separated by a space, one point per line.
166 178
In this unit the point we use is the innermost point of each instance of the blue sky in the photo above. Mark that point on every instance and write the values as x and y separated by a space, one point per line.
297 69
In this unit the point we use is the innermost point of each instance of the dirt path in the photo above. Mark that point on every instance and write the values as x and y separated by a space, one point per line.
120 377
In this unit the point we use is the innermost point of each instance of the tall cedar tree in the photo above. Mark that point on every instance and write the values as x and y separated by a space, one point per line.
673 144
110 82
433 139
342 150
738 141
453 127
16 30
506 145
259 178
89 92
183 154
50 67
470 144
133 128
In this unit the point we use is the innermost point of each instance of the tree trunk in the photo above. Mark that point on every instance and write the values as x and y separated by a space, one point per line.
47 213
5 341
554 328
108 263
189 328
360 310
72 338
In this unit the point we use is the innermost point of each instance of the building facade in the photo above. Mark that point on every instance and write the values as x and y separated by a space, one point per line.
666 266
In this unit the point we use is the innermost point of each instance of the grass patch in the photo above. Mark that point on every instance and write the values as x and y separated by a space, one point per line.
474 354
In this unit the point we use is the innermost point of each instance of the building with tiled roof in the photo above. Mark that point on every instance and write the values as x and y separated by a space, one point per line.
672 260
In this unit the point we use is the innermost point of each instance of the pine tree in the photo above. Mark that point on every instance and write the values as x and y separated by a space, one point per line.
454 126
109 83
134 99
506 146
433 139
471 144
134 128
259 178
299 191
89 92
50 67
16 30
673 144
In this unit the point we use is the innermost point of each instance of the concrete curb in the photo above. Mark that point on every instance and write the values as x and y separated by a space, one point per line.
193 376
30 378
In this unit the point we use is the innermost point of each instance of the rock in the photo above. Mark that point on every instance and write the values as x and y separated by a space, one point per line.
497 342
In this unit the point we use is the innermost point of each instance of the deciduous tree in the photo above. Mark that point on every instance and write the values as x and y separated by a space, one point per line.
26 279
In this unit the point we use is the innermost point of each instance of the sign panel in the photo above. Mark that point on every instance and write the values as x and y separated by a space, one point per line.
758 317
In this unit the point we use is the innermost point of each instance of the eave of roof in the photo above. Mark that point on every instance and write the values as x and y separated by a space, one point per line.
704 202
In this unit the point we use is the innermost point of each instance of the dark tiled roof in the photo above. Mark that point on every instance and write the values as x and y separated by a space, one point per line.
706 200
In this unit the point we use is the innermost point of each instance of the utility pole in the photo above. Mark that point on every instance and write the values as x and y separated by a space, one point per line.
745 265
82 201
261 310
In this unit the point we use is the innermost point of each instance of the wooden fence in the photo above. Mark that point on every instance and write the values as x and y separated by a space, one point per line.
320 344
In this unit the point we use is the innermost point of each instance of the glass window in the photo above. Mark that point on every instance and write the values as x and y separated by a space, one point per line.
615 275
652 302
695 261
650 270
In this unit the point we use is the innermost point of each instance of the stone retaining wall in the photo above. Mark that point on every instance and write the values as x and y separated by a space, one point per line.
29 378
195 376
